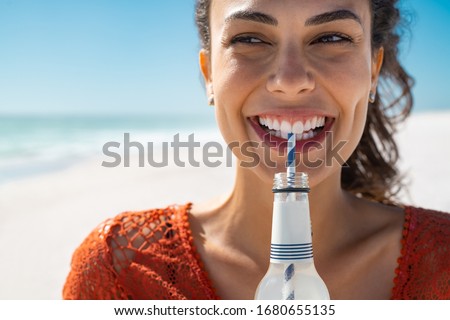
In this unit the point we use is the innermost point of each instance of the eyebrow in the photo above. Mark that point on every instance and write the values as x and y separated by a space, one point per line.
332 16
252 16
313 21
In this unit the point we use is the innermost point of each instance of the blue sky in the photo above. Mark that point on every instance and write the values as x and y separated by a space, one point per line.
140 56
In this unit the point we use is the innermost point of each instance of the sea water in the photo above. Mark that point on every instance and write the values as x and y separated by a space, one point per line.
36 144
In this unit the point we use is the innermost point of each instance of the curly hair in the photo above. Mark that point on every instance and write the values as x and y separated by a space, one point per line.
371 171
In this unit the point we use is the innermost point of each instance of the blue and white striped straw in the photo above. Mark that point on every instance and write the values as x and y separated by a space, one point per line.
291 155
289 272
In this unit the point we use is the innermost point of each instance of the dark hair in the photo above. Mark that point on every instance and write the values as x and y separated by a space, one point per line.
371 171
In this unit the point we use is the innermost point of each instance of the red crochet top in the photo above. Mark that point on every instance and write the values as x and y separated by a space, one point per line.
151 255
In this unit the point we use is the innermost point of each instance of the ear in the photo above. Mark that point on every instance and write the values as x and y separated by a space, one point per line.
205 68
377 62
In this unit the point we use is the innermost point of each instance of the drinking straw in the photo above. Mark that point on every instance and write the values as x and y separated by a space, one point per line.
291 156
289 271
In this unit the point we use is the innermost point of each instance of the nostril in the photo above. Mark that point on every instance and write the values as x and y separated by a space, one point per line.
290 81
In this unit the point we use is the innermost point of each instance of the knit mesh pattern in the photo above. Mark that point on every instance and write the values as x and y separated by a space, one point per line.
150 255
423 270
139 255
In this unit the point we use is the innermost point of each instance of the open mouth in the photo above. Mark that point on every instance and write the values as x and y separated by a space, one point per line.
303 129
274 130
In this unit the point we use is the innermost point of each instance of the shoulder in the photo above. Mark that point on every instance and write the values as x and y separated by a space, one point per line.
133 231
132 227
427 226
136 219
135 226
112 247
425 248
427 233
149 232
426 237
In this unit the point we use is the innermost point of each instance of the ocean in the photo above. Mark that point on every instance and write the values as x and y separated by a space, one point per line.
30 145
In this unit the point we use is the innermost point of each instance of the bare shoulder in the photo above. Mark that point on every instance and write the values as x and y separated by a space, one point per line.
368 263
204 215
209 206
379 220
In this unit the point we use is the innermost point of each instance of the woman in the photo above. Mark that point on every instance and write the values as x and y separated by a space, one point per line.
270 68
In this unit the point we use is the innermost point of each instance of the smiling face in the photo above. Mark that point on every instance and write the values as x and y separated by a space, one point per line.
301 66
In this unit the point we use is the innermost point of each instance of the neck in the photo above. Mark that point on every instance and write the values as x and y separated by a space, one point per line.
244 221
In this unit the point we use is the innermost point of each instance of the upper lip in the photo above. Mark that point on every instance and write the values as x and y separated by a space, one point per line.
294 113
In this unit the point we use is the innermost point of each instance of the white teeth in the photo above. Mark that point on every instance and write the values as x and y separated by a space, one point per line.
303 130
307 135
275 125
285 127
307 126
321 122
298 127
313 122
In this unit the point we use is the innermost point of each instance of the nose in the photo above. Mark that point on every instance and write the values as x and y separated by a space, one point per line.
290 76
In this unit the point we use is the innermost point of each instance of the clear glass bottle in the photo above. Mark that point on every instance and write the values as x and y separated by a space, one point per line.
291 274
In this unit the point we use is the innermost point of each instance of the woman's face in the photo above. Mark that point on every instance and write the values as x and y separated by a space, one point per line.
302 66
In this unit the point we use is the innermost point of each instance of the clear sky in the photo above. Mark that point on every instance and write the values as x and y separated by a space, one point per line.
140 56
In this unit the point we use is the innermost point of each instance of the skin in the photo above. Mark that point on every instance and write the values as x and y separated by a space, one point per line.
255 68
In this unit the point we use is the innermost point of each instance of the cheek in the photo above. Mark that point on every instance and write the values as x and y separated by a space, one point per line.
234 80
353 88
348 84
235 77
228 101
348 79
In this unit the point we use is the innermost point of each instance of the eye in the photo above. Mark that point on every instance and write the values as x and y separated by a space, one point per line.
247 40
333 38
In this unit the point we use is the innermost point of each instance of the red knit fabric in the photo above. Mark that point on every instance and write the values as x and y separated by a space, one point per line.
423 270
150 255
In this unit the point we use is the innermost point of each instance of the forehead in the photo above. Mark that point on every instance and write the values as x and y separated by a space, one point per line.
287 10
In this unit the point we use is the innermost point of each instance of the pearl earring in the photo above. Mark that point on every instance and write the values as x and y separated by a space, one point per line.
372 96
211 95
211 100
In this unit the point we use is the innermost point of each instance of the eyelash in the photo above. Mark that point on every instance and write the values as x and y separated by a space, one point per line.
247 40
323 39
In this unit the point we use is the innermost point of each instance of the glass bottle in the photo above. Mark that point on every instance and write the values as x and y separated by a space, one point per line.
291 274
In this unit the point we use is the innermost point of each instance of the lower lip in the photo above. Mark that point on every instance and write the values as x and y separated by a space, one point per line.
281 144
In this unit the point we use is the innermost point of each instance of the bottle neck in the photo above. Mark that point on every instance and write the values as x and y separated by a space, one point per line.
291 228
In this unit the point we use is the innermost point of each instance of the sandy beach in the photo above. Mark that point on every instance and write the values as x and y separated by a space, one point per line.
43 218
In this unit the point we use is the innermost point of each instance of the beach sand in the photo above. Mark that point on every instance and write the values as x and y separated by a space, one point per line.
45 217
